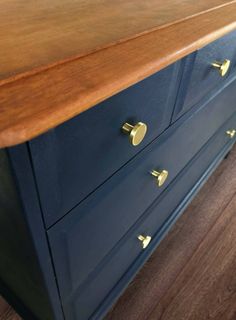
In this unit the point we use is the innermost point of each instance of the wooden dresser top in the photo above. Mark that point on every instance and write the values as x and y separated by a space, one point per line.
59 58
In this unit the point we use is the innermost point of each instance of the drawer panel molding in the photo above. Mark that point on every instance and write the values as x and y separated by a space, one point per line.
206 70
156 221
113 208
75 158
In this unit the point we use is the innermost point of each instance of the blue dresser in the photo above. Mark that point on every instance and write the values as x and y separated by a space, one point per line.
84 205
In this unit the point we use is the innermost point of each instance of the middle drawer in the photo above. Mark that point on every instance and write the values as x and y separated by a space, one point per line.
90 231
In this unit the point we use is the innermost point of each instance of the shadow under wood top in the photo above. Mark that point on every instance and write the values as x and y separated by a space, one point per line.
49 74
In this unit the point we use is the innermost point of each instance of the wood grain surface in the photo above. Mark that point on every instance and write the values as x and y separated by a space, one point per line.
207 291
191 275
35 104
36 34
6 312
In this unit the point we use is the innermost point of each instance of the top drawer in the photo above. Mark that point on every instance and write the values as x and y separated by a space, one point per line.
76 157
200 76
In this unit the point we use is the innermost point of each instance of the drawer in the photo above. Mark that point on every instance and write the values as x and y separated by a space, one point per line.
85 236
78 156
200 77
111 276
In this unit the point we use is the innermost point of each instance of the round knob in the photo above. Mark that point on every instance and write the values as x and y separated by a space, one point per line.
223 67
145 240
136 133
161 176
231 133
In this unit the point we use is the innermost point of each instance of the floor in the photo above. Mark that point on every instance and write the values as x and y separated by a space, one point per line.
192 274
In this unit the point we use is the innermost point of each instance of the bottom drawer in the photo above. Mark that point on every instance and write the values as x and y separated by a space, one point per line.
111 276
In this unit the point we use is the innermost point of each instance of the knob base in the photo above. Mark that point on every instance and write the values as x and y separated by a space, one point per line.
145 240
161 176
222 66
136 133
231 133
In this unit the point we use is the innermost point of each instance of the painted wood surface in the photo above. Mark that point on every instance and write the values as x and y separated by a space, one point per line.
201 78
26 267
207 290
35 104
192 273
87 270
20 270
67 170
208 217
75 158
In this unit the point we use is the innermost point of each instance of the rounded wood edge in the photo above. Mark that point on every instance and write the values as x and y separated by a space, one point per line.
33 125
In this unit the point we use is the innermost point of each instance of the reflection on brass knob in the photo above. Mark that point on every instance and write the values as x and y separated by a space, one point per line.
145 240
231 133
136 133
222 66
161 176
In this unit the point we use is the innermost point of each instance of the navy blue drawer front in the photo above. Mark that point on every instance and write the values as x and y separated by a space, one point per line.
80 304
78 156
200 77
85 236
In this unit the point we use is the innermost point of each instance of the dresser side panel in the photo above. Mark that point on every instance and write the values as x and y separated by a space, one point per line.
19 268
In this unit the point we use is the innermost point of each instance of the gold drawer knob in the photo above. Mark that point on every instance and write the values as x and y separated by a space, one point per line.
136 133
223 67
231 133
145 240
161 176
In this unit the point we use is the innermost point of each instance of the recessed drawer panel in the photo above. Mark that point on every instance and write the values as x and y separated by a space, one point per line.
83 301
76 157
201 76
85 236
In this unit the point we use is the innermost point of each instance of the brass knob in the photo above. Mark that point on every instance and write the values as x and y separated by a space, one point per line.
161 176
136 133
145 240
231 133
222 66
